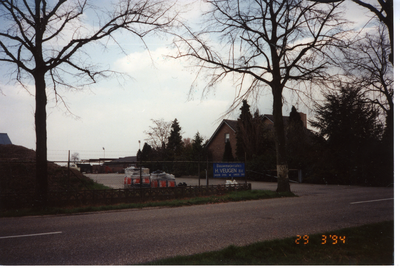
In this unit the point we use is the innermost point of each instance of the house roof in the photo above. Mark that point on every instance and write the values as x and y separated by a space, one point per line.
4 139
230 123
233 124
271 118
129 159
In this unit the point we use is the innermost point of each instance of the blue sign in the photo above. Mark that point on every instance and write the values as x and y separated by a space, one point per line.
228 170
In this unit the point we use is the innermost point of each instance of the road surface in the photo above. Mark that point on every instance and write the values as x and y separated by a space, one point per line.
140 235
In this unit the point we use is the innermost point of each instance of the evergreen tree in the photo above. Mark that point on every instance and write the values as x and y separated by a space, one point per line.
174 150
242 134
139 155
351 131
197 147
250 135
297 143
146 152
175 143
228 156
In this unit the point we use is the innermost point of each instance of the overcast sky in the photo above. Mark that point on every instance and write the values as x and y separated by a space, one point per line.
114 114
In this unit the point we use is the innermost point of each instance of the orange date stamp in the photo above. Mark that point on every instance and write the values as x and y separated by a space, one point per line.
325 239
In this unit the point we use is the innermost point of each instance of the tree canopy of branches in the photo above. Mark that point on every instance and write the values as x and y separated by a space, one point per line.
44 41
274 44
366 63
157 135
75 157
383 10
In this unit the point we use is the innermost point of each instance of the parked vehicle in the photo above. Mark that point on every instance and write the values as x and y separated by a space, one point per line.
74 166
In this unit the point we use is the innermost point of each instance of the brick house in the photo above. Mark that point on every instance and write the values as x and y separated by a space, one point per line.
227 131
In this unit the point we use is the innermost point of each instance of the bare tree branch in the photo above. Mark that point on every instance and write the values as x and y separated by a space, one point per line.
273 43
31 41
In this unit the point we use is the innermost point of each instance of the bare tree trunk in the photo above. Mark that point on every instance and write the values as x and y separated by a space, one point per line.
40 113
41 140
280 143
35 37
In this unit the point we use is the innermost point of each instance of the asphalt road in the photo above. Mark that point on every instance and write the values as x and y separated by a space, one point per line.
141 235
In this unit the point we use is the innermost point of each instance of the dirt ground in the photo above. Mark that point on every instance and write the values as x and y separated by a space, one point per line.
18 172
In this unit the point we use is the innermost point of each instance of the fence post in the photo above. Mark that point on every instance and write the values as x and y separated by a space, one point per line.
207 173
68 166
245 174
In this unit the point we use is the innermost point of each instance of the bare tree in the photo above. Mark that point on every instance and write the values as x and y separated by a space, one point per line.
45 41
157 136
275 44
75 157
383 10
367 65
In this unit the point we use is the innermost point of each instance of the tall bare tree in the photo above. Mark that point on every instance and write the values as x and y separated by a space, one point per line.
275 44
366 61
75 157
44 41
157 136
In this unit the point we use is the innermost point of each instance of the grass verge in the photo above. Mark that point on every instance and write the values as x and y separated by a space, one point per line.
371 244
230 197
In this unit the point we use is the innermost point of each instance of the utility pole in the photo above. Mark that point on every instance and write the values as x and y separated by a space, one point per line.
140 167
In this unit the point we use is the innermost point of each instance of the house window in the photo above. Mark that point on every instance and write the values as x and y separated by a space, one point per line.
226 137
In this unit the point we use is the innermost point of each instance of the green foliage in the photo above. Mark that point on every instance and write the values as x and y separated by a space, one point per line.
252 137
146 152
347 114
351 131
260 167
244 122
184 154
296 141
196 151
175 144
198 148
301 146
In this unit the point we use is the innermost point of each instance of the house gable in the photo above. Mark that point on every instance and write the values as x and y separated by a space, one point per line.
216 144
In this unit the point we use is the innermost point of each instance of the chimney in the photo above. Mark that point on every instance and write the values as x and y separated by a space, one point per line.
303 119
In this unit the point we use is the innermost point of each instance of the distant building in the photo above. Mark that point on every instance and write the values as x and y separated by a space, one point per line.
118 165
4 139
227 131
107 165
